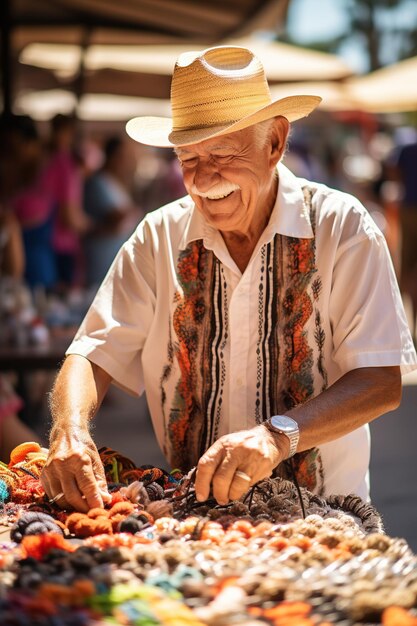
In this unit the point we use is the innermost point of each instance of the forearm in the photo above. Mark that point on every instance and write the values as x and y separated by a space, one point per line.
237 460
77 394
357 398
73 472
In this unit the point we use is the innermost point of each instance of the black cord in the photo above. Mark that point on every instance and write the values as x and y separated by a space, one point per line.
297 486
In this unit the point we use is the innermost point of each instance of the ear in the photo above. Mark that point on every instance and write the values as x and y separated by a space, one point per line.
279 133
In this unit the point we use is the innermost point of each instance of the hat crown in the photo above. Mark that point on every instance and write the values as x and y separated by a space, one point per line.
217 86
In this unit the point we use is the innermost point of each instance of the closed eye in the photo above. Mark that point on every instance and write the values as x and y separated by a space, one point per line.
188 162
224 158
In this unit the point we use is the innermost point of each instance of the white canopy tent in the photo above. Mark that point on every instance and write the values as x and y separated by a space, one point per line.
282 62
123 81
392 89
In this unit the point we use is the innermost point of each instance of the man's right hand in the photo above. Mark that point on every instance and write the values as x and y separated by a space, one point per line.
73 474
74 469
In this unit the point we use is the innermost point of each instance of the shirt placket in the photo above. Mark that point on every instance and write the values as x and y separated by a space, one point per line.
240 333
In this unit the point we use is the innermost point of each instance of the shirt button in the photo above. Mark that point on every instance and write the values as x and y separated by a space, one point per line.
240 382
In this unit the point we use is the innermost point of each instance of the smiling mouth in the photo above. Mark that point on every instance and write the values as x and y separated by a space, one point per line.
221 197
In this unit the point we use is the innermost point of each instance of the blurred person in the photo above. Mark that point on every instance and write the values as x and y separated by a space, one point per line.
31 201
109 204
403 164
260 313
12 254
64 176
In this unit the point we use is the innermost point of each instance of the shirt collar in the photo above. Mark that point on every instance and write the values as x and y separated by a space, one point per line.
289 217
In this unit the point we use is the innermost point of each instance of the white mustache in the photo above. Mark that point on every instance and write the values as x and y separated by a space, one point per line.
218 191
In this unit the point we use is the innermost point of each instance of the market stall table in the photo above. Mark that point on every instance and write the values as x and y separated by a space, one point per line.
156 556
33 357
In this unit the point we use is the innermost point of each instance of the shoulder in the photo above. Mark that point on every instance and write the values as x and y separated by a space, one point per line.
339 213
161 231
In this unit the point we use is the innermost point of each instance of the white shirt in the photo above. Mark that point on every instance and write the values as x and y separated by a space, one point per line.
218 351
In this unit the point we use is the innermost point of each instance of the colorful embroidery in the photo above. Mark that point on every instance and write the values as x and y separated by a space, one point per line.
191 355
292 365
308 468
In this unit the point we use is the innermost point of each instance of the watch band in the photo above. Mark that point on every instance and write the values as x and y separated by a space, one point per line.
293 444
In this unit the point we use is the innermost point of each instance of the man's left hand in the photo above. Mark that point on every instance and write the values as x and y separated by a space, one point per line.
235 462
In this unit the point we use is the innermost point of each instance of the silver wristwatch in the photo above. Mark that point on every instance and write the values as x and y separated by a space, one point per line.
286 426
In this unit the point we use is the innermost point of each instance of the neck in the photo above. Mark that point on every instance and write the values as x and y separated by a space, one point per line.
241 244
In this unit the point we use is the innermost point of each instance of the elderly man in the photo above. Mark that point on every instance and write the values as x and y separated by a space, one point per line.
260 312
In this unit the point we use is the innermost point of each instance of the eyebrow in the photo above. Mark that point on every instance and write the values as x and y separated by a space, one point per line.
179 151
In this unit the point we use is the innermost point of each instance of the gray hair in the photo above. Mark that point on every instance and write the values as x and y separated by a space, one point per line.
262 134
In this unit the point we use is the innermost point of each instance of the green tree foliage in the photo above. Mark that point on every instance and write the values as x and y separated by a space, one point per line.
385 29
376 23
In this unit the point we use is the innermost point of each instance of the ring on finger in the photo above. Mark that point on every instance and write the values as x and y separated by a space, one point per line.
57 497
243 476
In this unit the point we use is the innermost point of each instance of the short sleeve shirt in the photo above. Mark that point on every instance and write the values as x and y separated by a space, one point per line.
219 351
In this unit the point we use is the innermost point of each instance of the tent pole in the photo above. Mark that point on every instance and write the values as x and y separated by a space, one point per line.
5 55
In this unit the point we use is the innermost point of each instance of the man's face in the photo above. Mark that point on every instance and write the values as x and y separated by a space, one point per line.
230 179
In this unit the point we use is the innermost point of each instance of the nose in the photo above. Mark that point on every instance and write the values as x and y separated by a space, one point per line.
206 175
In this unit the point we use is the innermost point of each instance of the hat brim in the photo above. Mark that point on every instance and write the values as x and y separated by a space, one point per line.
158 132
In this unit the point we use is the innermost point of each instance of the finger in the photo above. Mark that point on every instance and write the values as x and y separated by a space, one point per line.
51 485
72 495
89 486
223 479
46 484
206 468
101 481
55 490
105 495
240 484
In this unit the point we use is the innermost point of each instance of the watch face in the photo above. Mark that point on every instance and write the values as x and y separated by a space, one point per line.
284 423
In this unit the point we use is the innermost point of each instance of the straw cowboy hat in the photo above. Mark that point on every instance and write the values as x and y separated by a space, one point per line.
213 92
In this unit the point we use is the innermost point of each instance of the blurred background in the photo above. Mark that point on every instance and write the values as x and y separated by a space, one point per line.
73 186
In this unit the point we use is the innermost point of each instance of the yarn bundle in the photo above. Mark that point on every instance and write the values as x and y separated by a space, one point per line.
19 480
156 556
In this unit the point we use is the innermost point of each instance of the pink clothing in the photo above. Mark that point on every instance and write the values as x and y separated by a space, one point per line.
58 182
34 205
63 180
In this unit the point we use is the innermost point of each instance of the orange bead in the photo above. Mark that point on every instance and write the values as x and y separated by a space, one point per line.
280 543
261 529
288 609
397 616
243 526
234 536
302 542
294 620
212 534
188 525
